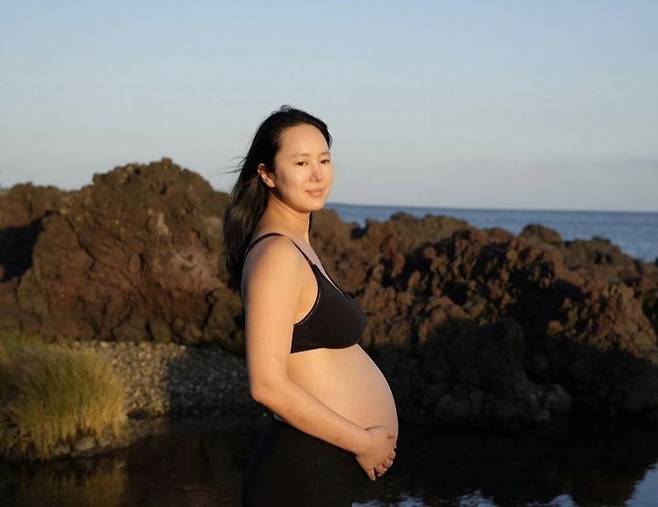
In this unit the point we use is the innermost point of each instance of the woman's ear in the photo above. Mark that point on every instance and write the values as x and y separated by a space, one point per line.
265 175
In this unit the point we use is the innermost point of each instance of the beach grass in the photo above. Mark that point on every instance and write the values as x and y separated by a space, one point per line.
49 393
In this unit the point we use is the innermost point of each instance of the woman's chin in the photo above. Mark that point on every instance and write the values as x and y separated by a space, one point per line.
318 206
316 202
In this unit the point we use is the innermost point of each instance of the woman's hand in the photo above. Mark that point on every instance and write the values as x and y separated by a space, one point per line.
379 452
388 463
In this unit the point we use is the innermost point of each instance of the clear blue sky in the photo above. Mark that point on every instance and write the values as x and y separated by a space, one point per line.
526 104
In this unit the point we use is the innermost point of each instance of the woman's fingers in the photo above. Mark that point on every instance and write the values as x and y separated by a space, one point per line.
383 468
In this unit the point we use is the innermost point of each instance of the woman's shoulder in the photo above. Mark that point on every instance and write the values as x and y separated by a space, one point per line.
271 261
260 239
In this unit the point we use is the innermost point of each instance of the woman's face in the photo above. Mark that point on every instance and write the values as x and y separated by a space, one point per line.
302 164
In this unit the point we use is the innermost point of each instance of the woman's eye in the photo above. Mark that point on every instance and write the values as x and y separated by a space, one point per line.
301 162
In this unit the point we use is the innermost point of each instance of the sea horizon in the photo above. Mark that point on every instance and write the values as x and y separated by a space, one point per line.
634 232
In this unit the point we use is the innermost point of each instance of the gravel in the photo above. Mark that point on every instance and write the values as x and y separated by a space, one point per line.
169 379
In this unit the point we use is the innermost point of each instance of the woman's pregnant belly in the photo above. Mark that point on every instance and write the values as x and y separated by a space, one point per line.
348 382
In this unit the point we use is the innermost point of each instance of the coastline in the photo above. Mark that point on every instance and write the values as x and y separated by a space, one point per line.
472 327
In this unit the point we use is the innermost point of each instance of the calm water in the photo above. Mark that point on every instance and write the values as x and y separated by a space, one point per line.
635 233
200 463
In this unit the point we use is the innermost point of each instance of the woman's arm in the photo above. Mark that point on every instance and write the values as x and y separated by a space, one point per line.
307 413
271 294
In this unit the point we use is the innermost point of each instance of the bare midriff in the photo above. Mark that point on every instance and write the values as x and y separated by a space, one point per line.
348 381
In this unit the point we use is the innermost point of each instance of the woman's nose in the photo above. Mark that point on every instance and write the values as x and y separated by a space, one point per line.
317 171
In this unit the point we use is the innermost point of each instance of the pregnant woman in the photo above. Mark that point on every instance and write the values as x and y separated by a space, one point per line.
332 423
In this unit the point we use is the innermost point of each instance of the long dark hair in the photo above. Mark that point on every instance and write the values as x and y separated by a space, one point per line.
248 197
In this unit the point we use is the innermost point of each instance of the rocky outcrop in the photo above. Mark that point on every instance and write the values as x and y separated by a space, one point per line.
482 327
134 256
471 326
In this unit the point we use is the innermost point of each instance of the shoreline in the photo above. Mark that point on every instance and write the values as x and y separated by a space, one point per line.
178 388
165 385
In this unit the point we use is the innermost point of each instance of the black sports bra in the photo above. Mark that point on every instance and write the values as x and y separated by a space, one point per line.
335 320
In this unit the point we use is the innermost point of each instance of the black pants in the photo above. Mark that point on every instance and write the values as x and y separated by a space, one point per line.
294 469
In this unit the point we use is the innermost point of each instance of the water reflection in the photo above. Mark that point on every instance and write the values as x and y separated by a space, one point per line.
200 463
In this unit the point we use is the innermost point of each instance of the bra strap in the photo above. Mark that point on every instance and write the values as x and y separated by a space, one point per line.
276 234
258 239
302 251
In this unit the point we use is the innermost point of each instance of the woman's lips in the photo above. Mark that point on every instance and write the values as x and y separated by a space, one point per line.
316 193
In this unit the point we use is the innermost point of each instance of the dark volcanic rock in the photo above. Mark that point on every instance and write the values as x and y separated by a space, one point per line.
470 326
22 210
554 330
134 256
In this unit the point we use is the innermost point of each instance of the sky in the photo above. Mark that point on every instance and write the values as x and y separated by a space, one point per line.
463 104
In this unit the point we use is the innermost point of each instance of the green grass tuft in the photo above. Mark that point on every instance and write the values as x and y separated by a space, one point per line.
49 393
